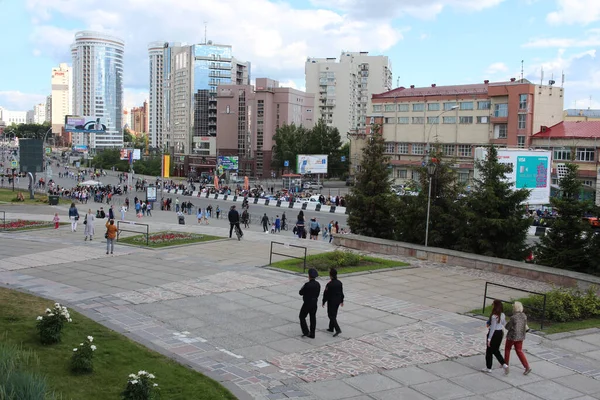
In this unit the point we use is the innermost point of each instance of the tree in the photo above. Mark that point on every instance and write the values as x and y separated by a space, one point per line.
566 243
371 199
495 223
288 141
127 136
28 131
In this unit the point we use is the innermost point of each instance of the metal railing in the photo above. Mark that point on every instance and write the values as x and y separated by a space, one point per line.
542 310
131 223
287 255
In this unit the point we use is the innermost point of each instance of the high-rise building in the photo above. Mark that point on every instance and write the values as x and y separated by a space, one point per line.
343 89
156 54
39 113
249 117
139 118
98 86
62 96
49 109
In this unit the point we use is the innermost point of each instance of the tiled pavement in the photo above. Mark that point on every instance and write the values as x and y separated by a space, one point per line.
214 310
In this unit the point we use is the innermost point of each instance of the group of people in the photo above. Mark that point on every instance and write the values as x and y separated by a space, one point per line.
89 225
314 228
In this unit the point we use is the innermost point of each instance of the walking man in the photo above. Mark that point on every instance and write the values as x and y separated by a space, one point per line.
234 220
265 223
310 295
333 295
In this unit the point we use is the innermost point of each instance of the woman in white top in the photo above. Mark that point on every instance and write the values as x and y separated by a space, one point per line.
89 229
494 338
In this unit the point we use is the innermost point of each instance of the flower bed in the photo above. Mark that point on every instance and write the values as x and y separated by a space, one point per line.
22 224
167 238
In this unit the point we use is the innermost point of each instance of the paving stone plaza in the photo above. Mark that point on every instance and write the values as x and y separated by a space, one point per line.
214 307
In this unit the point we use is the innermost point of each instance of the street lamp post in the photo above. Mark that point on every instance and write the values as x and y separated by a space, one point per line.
431 168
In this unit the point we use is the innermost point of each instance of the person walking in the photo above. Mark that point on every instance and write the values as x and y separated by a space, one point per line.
218 212
234 220
310 296
111 212
515 335
314 229
123 211
111 235
56 220
497 322
149 209
74 217
333 296
265 223
300 225
89 228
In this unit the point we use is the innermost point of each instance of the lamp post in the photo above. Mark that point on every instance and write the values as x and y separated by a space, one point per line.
431 168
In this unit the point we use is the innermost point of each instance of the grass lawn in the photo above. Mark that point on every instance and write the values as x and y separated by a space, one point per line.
549 327
115 358
167 238
344 261
8 196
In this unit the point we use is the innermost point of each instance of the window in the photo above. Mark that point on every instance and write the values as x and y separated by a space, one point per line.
403 120
419 107
403 107
416 176
482 120
448 120
562 154
522 102
448 106
433 120
390 147
501 110
418 120
521 142
402 173
389 120
433 107
389 108
402 148
500 131
588 183
522 121
449 150
466 105
585 154
463 177
376 107
464 150
418 148
465 120
484 105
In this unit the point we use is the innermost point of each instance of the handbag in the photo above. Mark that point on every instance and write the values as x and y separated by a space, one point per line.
106 235
85 220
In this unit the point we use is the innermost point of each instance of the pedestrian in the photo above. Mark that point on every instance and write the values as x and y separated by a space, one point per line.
218 212
333 295
111 235
277 224
177 204
300 225
234 220
265 223
89 228
516 329
310 296
56 220
314 229
149 209
123 211
199 215
497 322
74 217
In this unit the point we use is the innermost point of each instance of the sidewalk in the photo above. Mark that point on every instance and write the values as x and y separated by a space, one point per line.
212 307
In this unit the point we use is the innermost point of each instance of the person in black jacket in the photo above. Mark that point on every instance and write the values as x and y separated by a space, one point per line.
310 295
333 295
234 220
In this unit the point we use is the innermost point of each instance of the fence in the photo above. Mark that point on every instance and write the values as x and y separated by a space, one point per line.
127 223
543 310
287 255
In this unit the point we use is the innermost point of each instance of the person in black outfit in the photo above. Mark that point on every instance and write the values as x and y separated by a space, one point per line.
234 220
333 295
265 223
310 295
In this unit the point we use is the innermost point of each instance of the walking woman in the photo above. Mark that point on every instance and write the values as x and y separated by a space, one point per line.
516 329
300 225
89 225
111 235
494 338
74 217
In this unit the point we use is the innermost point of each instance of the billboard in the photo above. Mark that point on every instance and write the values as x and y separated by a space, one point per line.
531 170
229 163
151 193
311 164
130 154
80 148
76 123
31 153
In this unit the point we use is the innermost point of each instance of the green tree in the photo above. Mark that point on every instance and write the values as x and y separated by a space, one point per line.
567 242
371 199
108 158
288 141
28 131
127 137
494 213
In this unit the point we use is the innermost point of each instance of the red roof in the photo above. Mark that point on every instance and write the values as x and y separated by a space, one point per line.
571 129
452 90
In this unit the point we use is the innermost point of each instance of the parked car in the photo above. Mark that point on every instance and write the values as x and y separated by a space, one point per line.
350 181
312 185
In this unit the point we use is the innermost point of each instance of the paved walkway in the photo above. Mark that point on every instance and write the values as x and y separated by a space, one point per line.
211 306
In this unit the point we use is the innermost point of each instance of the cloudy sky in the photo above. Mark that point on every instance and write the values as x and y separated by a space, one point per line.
428 41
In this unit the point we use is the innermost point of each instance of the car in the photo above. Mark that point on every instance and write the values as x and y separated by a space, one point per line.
312 185
350 181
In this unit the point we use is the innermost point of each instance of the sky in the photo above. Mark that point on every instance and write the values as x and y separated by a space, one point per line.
428 41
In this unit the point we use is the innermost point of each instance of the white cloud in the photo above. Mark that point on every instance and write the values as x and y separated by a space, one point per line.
134 98
591 39
584 103
496 68
19 101
575 12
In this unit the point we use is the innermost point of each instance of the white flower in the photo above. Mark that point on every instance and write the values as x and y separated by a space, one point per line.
134 381
75 349
56 304
51 315
93 347
151 376
141 373
39 318
155 385
134 376
48 310
70 320
91 339
81 344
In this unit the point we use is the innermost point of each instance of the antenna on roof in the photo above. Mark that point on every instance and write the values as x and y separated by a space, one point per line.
563 79
398 82
542 78
522 61
205 27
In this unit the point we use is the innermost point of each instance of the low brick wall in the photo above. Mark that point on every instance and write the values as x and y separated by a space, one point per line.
541 273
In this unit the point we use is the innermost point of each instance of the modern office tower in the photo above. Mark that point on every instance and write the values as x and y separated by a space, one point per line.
62 96
98 87
343 89
156 54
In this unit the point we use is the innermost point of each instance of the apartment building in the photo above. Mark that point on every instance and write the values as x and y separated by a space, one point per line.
459 118
343 89
61 97
139 119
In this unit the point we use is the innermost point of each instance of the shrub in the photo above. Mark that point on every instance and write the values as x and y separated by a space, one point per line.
564 305
335 259
81 359
16 383
50 325
141 386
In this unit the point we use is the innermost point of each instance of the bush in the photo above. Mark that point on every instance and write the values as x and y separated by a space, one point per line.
16 383
50 325
563 305
335 259
81 360
141 386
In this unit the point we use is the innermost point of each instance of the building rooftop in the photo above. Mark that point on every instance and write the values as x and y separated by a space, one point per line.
570 129
434 90
578 112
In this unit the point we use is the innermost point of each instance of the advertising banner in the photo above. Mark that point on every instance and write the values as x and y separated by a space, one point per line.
229 163
151 193
80 148
76 123
130 154
166 166
311 164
